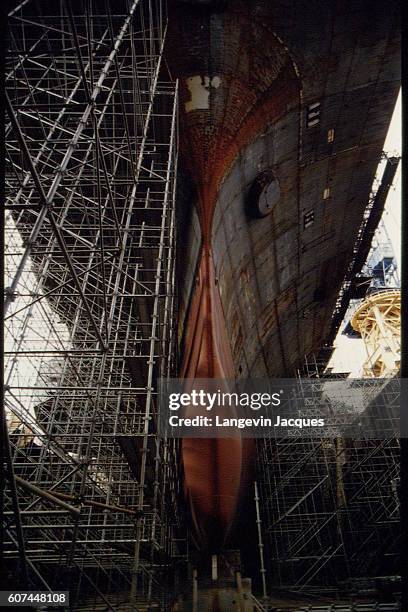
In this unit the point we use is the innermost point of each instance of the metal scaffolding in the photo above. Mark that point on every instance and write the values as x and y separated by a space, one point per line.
91 499
329 514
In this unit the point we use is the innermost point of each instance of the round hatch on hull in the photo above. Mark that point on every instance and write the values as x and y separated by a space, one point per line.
263 195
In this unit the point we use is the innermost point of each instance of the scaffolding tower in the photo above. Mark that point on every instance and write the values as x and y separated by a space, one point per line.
91 492
329 508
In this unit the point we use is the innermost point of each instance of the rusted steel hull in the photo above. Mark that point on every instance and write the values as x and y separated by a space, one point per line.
251 73
213 468
249 85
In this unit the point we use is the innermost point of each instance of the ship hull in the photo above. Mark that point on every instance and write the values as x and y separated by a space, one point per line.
259 287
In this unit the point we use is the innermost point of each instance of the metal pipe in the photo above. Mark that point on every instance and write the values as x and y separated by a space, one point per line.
260 541
12 478
241 601
195 590
46 495
95 504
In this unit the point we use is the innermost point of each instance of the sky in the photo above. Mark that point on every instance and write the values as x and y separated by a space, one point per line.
350 353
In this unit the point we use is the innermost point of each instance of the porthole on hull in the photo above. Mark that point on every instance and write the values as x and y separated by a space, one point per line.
263 195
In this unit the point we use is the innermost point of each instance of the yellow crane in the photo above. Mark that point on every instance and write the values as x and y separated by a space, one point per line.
378 320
